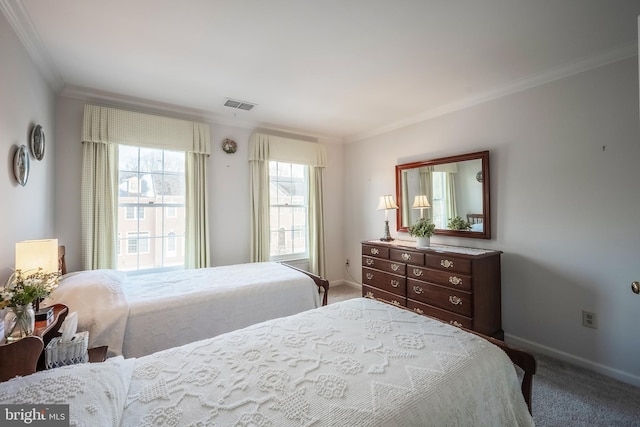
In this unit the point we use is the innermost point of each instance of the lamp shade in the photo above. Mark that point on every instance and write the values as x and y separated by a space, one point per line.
34 254
421 201
387 202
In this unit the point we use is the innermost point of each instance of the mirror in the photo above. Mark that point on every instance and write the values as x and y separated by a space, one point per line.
456 186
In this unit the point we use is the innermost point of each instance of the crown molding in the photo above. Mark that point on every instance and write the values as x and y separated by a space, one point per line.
22 25
585 64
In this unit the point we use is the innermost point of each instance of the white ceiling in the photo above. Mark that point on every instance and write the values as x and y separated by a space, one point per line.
338 68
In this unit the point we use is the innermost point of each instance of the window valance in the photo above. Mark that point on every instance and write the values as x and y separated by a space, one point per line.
264 147
115 126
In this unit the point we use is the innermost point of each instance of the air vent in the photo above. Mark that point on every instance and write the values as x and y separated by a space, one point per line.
240 105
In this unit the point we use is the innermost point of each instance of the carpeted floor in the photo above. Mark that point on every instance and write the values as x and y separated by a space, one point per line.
565 395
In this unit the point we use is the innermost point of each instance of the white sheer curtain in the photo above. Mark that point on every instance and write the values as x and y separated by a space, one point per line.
262 149
103 129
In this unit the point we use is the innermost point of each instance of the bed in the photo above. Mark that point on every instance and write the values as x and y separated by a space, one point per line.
476 221
358 362
139 315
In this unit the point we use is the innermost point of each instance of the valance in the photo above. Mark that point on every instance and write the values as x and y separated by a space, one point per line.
115 126
269 147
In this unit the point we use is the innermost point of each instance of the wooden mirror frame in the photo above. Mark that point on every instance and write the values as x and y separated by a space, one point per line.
486 211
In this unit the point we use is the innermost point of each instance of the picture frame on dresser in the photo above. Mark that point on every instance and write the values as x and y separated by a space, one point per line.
459 285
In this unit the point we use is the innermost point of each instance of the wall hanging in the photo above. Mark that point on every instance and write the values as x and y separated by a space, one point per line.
21 165
229 146
37 142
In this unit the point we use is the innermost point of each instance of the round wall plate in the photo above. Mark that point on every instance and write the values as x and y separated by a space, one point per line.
229 146
37 142
21 165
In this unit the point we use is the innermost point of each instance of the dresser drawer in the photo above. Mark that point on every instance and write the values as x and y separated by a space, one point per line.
385 281
449 263
429 310
375 251
444 278
384 265
410 257
369 292
449 299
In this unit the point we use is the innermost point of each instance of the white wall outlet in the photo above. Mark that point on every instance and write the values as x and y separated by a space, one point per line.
590 320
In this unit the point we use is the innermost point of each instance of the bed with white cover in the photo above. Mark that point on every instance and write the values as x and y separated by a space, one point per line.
359 362
139 315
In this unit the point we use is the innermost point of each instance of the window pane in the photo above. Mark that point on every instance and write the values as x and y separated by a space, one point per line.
128 158
150 160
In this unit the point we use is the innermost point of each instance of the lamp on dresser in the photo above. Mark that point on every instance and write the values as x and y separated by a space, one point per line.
32 255
421 202
386 203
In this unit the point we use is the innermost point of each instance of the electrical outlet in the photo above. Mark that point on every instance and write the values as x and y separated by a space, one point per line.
590 320
348 262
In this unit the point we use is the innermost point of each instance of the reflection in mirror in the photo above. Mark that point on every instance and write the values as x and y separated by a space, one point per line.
453 192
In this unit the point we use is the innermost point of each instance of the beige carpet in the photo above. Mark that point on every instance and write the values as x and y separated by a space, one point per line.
565 395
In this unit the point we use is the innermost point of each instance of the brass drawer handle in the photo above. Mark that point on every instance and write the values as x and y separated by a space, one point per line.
369 276
419 311
370 261
406 256
369 294
454 280
417 289
456 323
375 251
394 302
455 300
395 283
395 267
446 263
417 272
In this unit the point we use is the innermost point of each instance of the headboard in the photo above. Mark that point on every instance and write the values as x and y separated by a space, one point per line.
62 264
475 218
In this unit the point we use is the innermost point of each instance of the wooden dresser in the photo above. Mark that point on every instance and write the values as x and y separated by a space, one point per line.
456 284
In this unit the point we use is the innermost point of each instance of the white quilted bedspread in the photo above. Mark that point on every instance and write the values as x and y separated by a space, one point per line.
355 363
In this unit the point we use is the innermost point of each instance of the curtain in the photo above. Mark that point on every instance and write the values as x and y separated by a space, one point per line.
452 210
99 205
264 148
197 213
103 129
426 188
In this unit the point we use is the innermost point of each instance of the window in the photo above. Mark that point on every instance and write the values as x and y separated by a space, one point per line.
289 205
150 182
439 205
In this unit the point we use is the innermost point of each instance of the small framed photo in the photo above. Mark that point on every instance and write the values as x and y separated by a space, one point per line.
37 142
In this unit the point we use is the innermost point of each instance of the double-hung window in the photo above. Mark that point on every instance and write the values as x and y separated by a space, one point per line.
289 211
151 209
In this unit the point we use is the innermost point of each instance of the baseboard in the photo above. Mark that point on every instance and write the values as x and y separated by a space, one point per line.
575 360
343 282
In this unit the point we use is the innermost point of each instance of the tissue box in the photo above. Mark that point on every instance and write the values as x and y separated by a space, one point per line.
71 352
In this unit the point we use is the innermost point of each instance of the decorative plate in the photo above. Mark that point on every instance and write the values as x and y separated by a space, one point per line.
229 146
21 165
479 177
37 142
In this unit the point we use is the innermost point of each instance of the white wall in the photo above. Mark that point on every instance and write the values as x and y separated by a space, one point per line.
25 100
565 210
228 188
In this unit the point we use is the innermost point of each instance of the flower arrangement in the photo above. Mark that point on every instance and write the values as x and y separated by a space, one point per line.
422 228
22 289
458 223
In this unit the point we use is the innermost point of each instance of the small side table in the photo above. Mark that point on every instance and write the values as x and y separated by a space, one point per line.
98 354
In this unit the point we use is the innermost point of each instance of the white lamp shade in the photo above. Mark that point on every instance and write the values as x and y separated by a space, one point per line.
34 254
387 202
421 201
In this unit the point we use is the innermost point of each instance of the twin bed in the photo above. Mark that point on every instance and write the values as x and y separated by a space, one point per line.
359 362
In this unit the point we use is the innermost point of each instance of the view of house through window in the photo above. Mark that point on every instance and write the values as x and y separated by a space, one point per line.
151 209
289 204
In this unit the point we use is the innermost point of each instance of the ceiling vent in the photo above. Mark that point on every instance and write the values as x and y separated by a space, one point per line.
240 105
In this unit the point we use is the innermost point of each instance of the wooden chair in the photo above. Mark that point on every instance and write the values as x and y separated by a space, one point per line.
20 358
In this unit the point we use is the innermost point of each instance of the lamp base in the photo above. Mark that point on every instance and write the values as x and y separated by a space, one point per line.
387 237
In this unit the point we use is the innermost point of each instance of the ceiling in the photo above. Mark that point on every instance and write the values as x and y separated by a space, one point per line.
343 69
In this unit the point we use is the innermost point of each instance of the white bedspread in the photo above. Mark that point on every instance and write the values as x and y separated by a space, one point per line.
140 315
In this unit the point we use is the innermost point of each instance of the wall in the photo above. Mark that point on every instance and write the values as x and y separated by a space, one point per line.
229 216
25 100
564 200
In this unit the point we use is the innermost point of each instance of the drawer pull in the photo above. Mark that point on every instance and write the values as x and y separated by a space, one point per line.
417 289
417 272
395 283
455 300
406 256
419 311
395 267
446 263
454 280
394 302
456 323
369 294
375 251
369 276
370 261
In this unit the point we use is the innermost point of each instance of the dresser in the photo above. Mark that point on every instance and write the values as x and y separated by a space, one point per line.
452 283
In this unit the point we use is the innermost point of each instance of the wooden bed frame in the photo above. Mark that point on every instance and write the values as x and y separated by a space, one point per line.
475 218
322 284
